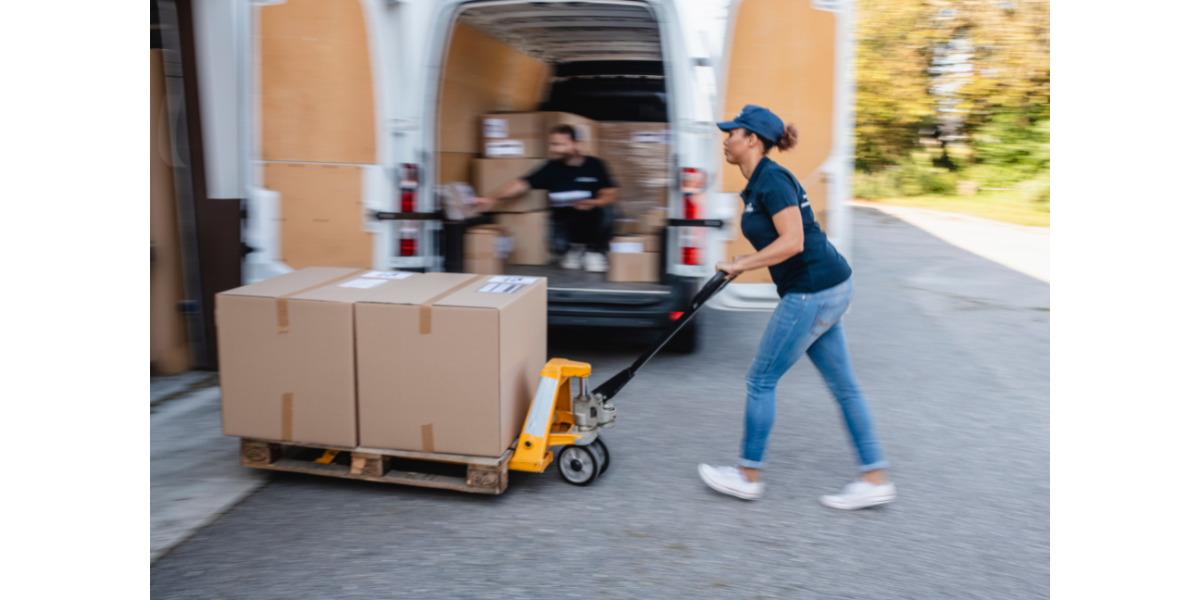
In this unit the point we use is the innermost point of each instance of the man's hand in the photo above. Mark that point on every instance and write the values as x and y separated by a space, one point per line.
484 203
588 204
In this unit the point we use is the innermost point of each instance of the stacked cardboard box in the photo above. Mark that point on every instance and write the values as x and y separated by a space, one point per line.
525 135
638 156
515 145
484 249
348 358
488 174
634 258
450 362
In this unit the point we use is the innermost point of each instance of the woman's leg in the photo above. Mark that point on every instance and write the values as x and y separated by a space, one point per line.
831 356
784 341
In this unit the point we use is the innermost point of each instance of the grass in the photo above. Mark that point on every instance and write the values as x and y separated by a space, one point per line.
1007 206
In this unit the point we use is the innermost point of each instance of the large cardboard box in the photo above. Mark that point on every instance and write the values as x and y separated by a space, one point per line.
530 234
630 259
638 157
286 348
488 174
484 249
525 135
449 362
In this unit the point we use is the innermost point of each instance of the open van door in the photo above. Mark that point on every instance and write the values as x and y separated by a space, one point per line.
316 158
794 57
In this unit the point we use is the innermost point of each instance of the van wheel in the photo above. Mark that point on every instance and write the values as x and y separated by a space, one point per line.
686 341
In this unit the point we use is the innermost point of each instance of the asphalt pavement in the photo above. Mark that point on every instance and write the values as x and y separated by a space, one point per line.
952 350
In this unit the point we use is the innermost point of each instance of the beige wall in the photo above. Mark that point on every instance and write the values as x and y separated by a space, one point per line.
481 75
782 58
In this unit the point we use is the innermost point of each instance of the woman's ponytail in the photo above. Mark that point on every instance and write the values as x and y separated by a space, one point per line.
788 140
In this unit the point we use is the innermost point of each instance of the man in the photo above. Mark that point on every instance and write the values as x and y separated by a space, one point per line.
581 197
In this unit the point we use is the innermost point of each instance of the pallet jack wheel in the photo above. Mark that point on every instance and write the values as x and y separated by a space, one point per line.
601 450
579 465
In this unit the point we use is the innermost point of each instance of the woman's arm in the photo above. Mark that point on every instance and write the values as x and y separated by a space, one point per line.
790 226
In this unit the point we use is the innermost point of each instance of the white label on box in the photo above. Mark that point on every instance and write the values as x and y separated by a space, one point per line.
513 279
649 137
388 274
505 148
583 133
363 283
626 247
495 128
502 247
500 288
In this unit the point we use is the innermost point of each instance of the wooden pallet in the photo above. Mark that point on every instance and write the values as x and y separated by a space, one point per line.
482 475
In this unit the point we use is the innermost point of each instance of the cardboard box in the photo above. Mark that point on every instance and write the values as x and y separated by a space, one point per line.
488 174
530 234
286 348
630 259
638 157
525 135
633 267
450 362
483 75
652 221
484 250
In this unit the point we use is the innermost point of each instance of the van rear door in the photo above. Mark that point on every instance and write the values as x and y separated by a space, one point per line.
316 156
793 57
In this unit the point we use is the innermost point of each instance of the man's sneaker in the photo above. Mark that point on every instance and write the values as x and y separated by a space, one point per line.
861 494
594 262
572 259
729 480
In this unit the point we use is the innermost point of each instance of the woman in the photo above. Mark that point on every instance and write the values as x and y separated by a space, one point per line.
815 288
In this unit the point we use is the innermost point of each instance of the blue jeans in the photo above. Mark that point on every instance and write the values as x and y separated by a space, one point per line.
809 323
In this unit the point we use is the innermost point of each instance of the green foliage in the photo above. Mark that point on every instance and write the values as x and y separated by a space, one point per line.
987 61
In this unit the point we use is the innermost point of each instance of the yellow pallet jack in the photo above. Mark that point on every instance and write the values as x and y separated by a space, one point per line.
558 418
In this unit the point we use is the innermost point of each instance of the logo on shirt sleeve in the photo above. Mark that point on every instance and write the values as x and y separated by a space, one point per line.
587 179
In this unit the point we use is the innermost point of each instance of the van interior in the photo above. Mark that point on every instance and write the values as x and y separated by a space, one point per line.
604 62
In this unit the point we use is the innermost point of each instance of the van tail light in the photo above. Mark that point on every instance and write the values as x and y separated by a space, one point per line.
408 201
691 239
409 179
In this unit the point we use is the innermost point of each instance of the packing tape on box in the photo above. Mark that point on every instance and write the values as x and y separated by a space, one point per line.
427 307
427 437
287 418
281 303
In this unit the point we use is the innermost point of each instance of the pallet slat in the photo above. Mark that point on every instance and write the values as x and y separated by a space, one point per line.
484 475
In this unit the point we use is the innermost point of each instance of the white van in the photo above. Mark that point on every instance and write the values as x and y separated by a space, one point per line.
349 113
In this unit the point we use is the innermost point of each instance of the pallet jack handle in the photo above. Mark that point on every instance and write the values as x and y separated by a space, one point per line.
609 388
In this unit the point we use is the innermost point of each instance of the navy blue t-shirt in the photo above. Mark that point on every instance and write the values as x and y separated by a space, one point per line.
819 267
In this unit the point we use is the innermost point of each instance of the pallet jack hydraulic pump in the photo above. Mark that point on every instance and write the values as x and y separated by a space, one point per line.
558 418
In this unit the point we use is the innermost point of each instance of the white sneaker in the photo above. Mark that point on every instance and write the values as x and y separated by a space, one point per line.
594 262
861 494
729 480
572 259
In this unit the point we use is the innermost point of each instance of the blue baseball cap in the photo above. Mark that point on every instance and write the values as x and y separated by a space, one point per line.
761 121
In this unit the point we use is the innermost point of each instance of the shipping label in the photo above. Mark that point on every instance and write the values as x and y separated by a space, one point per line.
513 279
505 148
495 128
626 247
388 274
500 288
363 283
